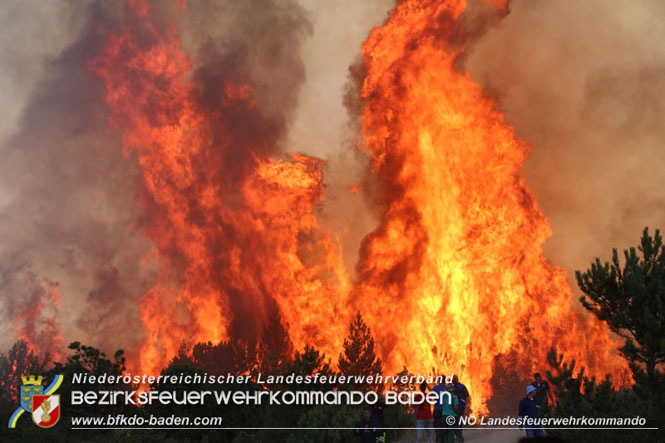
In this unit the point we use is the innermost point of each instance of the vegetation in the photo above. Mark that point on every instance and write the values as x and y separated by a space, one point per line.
631 300
274 355
359 357
629 297
580 396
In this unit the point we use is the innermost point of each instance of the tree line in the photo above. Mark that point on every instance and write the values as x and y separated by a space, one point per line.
629 297
274 355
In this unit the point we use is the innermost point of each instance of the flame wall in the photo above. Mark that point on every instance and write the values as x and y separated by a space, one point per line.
452 279
233 223
455 274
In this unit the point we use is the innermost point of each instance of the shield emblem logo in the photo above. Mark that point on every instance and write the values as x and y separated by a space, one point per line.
41 403
45 410
27 391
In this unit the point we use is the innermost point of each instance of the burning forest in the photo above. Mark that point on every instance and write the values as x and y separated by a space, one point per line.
188 222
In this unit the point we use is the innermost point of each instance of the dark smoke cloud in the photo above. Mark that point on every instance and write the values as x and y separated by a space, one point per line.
255 43
71 214
70 200
29 36
583 82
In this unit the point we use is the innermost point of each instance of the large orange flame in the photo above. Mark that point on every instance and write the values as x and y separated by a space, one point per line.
454 275
232 226
456 268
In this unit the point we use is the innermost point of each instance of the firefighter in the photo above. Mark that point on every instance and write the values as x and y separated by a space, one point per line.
367 429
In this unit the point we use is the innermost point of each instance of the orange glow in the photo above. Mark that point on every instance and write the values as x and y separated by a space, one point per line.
454 274
37 324
225 235
456 269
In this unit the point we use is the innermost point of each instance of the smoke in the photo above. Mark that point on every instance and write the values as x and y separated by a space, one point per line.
41 330
31 36
257 43
584 84
69 193
71 214
323 126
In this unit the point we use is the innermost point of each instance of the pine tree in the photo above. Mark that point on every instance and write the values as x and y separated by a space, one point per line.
580 396
359 358
276 346
631 300
311 362
94 361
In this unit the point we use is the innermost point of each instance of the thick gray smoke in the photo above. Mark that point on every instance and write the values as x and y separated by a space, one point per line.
68 196
322 126
580 80
584 83
68 191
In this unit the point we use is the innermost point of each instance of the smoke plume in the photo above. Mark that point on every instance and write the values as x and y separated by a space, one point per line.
69 192
71 212
583 83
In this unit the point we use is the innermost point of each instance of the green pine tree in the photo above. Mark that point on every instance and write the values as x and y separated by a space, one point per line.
631 300
311 362
359 358
580 396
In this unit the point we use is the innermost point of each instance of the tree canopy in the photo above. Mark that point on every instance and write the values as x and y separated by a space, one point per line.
631 299
359 357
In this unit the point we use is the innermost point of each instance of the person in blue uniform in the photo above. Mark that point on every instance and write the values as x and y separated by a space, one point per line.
528 408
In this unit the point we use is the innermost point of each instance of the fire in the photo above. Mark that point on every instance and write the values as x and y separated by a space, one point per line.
455 273
37 325
233 226
453 276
